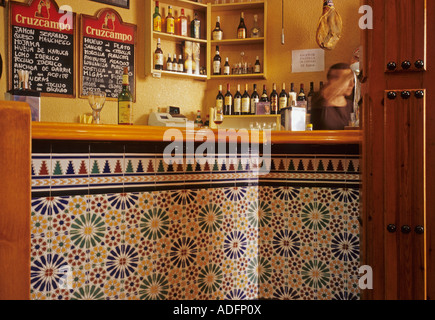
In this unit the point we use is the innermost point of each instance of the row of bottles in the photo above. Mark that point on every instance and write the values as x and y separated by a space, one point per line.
172 64
238 68
178 26
246 104
242 30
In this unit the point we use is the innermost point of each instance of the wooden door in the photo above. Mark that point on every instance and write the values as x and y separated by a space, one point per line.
399 125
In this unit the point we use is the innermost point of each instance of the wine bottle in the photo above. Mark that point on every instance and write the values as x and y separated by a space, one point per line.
255 30
180 67
241 29
292 95
310 97
226 67
195 27
301 95
125 101
217 32
274 100
283 98
264 96
246 99
228 103
170 21
237 102
157 19
220 99
257 66
169 63
217 62
255 98
158 57
182 24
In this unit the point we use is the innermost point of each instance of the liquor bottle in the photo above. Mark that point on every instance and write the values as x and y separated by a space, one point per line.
241 29
158 57
217 62
198 121
292 95
220 99
237 110
246 99
195 27
255 30
180 67
170 21
274 100
174 63
310 97
255 98
283 98
257 66
207 121
182 24
217 32
228 103
169 63
226 67
264 96
157 19
125 102
301 95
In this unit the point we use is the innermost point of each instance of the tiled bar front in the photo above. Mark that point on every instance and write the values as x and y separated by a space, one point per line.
112 220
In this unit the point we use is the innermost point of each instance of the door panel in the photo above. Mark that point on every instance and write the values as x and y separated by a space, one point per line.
405 35
404 198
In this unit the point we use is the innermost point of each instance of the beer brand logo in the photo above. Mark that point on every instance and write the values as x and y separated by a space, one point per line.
109 22
43 11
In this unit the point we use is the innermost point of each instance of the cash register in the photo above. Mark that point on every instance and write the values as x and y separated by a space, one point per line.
173 118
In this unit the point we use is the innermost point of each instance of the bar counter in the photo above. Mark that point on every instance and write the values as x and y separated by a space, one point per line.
107 212
82 132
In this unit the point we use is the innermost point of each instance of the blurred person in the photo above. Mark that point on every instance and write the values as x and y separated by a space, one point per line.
333 105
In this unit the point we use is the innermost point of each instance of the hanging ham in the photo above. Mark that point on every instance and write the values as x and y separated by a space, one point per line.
330 27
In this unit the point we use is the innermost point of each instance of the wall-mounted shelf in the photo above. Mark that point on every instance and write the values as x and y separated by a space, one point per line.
240 76
238 6
158 73
237 41
174 37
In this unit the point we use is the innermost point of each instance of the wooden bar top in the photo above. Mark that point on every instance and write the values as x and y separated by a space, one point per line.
94 132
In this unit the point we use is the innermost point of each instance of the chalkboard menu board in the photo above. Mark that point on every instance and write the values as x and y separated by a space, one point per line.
41 40
107 45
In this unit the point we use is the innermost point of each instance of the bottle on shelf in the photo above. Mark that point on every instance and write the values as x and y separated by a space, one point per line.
292 95
125 101
195 27
198 121
246 100
255 30
283 98
220 99
158 57
180 66
274 100
255 98
264 96
257 66
207 121
228 103
237 110
302 99
217 62
310 97
169 63
226 67
157 19
188 64
217 32
174 63
170 21
182 24
241 29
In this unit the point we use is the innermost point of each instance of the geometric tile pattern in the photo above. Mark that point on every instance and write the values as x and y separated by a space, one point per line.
194 230
224 243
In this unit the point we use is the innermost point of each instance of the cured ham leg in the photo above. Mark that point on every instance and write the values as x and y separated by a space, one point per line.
330 27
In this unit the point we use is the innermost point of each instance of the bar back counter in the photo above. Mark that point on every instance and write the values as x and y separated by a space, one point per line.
95 212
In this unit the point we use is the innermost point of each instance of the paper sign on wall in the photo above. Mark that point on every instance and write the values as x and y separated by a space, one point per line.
312 60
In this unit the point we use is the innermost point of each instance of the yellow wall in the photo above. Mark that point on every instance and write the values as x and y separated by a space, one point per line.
300 29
